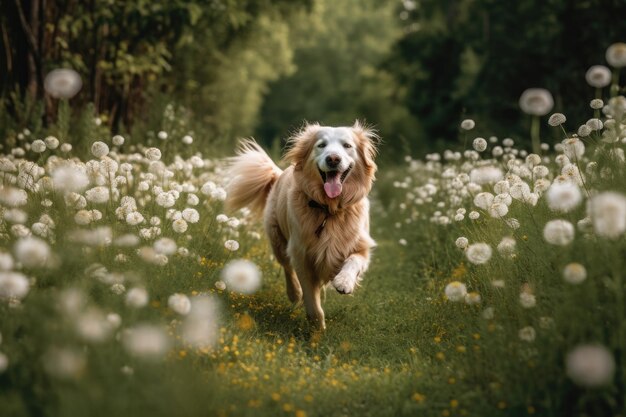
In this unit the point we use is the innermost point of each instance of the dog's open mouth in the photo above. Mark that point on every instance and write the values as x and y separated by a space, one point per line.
333 181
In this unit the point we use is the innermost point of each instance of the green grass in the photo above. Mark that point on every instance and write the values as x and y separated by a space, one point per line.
397 347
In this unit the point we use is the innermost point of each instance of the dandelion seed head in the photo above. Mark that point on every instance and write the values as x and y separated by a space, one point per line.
63 83
179 303
455 291
596 104
574 273
608 214
242 276
563 197
616 55
590 365
598 76
558 232
468 124
536 102
99 149
557 119
478 253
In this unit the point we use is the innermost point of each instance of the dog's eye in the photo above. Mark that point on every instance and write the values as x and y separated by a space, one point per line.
347 145
321 145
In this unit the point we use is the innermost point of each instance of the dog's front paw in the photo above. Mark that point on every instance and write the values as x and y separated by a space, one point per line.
345 282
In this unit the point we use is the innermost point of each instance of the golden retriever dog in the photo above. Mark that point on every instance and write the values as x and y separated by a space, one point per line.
316 211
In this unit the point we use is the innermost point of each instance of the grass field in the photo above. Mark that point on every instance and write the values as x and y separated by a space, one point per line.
496 287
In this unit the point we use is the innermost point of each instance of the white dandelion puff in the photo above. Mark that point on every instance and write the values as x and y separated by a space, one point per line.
574 273
616 55
179 303
536 102
468 124
63 83
590 365
455 291
608 214
242 276
598 76
146 341
478 253
563 197
558 232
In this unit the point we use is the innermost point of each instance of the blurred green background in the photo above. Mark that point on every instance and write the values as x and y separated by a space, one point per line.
232 68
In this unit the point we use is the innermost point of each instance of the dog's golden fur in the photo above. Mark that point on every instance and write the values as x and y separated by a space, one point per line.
315 238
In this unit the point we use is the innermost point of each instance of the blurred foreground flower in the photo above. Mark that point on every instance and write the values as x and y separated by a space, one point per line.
201 326
146 341
598 76
63 83
536 101
616 55
456 291
590 365
242 276
608 213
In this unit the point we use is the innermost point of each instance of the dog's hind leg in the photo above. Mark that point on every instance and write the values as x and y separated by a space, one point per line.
294 291
311 292
279 246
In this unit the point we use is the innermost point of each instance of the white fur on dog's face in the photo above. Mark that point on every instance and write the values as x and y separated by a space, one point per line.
338 142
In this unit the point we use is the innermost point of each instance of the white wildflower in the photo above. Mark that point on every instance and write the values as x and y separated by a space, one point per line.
557 119
563 197
13 285
608 214
179 226
558 232
137 297
467 124
456 291
97 195
574 273
146 341
478 253
536 102
179 303
616 55
99 149
191 215
32 252
479 144
527 334
527 300
68 178
598 76
63 83
231 245
590 365
118 140
507 246
51 142
242 276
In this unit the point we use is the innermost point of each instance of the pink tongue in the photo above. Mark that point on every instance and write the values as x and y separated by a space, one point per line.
333 186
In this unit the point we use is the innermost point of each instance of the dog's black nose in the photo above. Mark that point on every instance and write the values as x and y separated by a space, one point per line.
333 160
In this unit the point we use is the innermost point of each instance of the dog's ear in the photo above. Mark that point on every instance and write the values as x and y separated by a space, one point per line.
369 140
299 145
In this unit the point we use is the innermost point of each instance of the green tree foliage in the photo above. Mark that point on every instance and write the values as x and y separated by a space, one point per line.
339 48
475 57
126 49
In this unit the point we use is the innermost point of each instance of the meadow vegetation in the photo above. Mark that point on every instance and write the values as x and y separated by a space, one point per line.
497 287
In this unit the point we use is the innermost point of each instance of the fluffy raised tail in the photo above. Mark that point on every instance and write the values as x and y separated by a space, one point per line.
252 174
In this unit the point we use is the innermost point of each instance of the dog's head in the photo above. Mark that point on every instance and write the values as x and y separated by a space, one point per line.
334 164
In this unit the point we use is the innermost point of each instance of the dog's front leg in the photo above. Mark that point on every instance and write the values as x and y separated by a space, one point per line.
350 274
